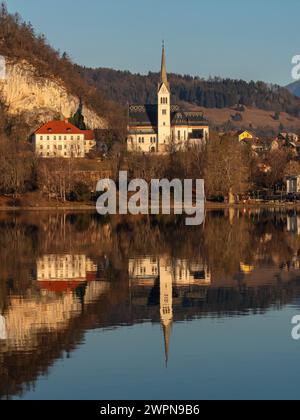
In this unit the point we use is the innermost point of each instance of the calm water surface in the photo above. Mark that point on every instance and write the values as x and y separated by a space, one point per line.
149 309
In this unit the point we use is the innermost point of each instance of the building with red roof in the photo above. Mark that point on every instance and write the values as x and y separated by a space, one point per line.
63 139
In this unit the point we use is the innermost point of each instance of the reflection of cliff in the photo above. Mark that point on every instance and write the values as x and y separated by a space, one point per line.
75 276
46 312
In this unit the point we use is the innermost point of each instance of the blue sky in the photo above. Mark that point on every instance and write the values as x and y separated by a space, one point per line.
249 40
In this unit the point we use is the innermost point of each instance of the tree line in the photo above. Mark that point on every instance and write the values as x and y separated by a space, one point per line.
125 87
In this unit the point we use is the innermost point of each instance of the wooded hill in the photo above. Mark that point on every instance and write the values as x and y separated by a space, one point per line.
125 87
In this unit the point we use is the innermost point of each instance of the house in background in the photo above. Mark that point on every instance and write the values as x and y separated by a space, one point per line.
62 139
288 137
245 135
293 184
160 127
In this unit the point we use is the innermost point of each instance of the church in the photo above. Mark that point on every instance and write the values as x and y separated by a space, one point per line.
163 127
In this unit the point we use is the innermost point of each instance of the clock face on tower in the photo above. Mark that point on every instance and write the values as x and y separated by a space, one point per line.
2 68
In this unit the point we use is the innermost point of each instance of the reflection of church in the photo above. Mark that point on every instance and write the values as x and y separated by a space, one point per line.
166 277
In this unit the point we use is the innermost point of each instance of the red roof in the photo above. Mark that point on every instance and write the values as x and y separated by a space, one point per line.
64 127
89 135
58 127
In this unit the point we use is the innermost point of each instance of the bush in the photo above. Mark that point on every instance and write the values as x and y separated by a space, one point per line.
80 193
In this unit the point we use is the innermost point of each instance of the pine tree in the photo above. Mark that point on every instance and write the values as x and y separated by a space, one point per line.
78 118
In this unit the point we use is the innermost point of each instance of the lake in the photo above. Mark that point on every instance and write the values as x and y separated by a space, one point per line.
147 308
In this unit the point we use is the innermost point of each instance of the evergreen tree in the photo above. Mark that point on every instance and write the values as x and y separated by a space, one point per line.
78 118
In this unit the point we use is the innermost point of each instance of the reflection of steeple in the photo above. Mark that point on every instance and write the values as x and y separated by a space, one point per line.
167 330
166 303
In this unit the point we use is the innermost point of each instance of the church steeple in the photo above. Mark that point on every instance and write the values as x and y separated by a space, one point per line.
163 72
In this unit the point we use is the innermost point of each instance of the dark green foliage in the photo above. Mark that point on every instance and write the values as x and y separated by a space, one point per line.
125 87
78 119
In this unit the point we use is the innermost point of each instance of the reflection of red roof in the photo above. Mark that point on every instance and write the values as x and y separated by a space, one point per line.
58 127
91 276
60 286
89 135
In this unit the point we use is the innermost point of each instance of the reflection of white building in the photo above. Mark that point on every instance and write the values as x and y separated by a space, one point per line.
2 328
293 224
62 272
144 269
64 267
184 272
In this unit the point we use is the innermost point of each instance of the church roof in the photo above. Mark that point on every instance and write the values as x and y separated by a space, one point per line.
147 115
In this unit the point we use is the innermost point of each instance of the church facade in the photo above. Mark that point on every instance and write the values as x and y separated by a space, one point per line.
163 127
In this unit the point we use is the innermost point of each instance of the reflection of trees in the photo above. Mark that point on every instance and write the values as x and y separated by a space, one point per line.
256 239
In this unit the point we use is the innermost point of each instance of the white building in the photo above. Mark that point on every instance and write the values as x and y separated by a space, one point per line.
162 127
293 184
62 139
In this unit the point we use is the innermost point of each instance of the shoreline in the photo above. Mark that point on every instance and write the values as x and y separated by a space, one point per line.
208 206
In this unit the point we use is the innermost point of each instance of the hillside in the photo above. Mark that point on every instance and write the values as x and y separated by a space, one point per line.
294 88
258 120
125 87
40 82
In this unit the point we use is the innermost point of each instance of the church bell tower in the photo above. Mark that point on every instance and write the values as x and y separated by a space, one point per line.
164 105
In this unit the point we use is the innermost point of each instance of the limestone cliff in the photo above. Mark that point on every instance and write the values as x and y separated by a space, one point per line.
40 98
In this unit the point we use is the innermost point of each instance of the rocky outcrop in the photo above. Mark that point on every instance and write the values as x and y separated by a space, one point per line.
41 98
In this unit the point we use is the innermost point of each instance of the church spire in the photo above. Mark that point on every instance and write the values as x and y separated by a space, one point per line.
163 73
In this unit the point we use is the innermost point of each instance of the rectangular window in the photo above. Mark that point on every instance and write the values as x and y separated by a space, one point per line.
41 137
164 112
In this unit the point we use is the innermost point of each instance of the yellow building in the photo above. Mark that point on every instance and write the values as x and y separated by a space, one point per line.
245 135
